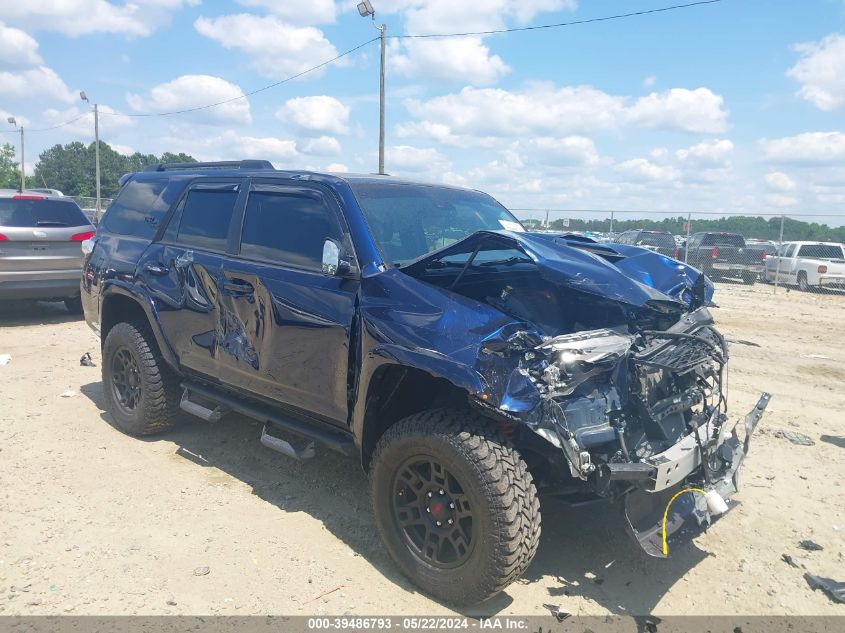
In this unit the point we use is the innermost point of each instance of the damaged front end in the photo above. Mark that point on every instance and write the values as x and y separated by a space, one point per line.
642 417
615 365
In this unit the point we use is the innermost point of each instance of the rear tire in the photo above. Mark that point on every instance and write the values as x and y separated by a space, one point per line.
749 278
453 466
803 285
142 392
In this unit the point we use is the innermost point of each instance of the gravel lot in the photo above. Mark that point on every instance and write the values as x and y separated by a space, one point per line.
95 522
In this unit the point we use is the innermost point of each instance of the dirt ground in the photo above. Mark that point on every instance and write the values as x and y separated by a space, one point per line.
95 522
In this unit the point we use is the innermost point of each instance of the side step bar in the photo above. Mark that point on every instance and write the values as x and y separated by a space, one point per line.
335 440
195 408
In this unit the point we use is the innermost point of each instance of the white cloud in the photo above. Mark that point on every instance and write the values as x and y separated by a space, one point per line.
190 91
122 149
714 152
40 81
699 110
322 146
414 159
821 72
779 181
232 145
315 114
552 151
78 17
339 168
809 147
464 59
17 48
780 200
111 123
475 115
643 169
278 50
649 81
302 13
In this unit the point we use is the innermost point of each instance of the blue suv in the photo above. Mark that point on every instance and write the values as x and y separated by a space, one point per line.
468 364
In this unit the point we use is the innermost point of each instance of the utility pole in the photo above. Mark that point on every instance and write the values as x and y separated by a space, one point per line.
84 97
365 9
689 227
611 222
383 33
12 121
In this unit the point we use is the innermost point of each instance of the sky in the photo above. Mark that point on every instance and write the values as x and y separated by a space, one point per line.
736 106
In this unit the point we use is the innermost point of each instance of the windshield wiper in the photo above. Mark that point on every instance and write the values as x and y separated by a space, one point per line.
510 261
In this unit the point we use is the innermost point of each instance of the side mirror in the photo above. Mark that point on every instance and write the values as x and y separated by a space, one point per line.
332 262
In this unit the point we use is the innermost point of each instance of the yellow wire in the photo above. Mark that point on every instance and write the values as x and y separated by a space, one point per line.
666 514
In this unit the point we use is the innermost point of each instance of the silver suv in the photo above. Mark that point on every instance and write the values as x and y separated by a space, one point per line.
40 247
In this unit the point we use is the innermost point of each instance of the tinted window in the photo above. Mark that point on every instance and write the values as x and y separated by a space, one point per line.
717 239
660 240
141 205
285 228
32 213
205 218
821 251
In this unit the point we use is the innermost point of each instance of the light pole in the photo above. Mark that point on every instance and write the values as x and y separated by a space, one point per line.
84 97
365 8
14 122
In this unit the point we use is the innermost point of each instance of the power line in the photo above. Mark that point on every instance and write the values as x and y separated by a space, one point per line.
248 94
683 213
47 129
538 27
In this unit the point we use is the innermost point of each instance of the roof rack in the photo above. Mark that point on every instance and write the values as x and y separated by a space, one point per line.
223 164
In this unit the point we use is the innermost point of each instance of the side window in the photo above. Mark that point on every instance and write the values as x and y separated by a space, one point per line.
790 251
287 227
205 216
140 206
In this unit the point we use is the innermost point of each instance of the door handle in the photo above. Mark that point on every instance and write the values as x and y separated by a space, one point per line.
156 269
237 286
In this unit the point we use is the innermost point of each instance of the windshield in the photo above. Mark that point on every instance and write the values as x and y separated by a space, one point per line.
33 212
723 239
411 220
821 251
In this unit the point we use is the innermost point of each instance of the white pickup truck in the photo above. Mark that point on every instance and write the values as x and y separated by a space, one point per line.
808 265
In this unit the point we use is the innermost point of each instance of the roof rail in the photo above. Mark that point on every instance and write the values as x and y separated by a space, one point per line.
223 164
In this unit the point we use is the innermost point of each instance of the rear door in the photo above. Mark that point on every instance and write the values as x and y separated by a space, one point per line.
40 238
183 271
286 325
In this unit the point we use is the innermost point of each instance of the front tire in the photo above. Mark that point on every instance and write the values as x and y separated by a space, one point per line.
142 392
74 305
455 505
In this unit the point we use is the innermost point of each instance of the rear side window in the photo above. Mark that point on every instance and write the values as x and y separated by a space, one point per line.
140 206
717 239
23 213
288 229
821 251
660 240
206 215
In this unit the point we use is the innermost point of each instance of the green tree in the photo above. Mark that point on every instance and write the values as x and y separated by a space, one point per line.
10 173
71 168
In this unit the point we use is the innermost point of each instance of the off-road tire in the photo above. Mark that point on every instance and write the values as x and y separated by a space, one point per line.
73 305
157 408
803 286
504 502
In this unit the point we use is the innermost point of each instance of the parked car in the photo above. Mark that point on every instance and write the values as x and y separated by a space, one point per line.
40 254
468 364
658 241
808 265
723 255
766 246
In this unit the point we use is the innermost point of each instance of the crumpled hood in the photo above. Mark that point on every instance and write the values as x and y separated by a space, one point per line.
627 274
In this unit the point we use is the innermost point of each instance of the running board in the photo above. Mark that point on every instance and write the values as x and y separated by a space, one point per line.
315 431
285 447
194 408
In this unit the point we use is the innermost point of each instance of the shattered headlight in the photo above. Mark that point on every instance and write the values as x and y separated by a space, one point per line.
575 357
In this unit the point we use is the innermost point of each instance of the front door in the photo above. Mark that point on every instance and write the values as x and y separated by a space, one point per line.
286 325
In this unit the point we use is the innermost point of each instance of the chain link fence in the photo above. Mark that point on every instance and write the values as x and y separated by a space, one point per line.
784 251
88 204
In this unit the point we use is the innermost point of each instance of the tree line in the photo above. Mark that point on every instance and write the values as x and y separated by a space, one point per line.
71 169
747 226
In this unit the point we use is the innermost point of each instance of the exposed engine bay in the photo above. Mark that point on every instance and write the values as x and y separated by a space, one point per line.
624 374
